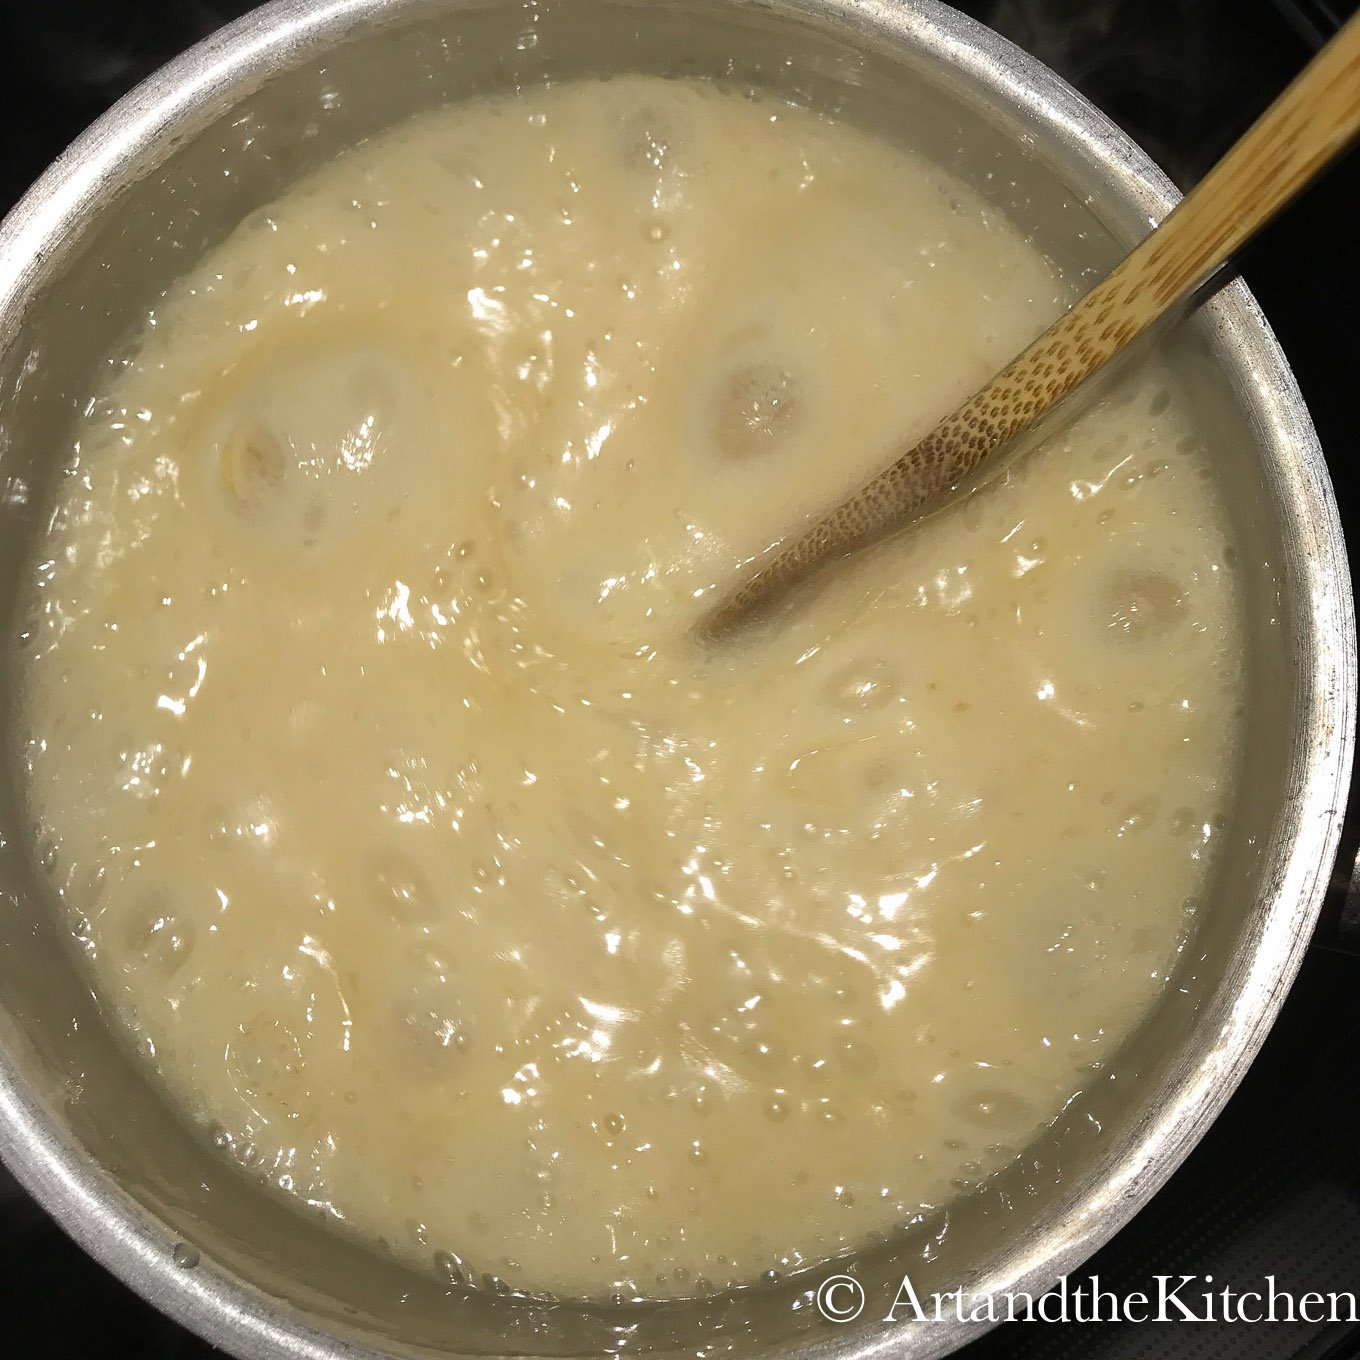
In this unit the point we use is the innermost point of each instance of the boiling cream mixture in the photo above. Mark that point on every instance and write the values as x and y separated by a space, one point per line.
444 878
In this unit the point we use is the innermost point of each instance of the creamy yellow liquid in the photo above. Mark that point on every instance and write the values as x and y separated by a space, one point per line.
440 874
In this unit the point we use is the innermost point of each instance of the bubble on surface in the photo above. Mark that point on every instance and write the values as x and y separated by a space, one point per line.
1139 814
308 447
452 1268
435 1022
855 1056
400 888
266 1065
159 940
996 1109
755 408
1142 606
652 139
853 778
860 685
1182 820
252 465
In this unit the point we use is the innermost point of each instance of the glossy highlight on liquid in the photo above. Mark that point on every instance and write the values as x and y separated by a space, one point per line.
441 877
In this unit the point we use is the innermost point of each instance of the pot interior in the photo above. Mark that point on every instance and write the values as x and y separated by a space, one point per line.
912 74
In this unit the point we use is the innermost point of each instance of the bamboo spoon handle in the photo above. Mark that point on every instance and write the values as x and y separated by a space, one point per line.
1304 129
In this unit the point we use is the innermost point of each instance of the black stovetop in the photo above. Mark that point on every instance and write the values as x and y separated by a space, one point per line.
1275 1186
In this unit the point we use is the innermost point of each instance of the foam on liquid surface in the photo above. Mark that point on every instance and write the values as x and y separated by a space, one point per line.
440 875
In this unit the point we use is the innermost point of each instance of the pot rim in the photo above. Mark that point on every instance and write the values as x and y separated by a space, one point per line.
142 130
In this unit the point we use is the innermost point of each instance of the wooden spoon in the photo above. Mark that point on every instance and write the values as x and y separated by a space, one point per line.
1308 126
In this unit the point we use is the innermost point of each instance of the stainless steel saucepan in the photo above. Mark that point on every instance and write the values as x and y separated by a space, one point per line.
167 173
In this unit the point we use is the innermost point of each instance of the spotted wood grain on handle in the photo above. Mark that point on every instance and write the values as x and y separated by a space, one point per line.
1306 127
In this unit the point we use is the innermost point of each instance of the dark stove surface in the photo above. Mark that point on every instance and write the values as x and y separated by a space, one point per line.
1275 1186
